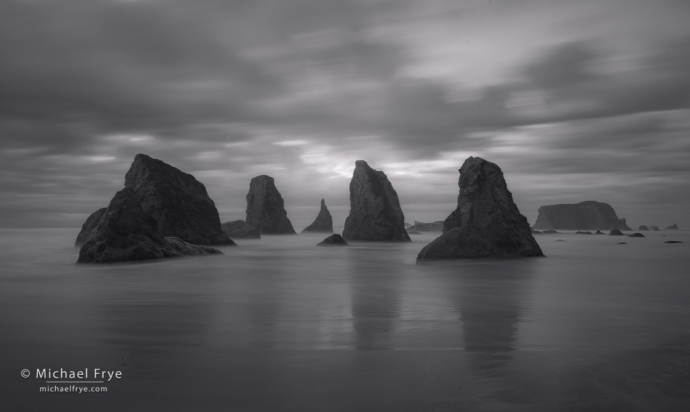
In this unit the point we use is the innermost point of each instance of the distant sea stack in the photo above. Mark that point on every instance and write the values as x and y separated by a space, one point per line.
486 222
125 232
266 209
436 226
643 227
323 222
375 212
89 226
176 200
587 215
239 229
673 227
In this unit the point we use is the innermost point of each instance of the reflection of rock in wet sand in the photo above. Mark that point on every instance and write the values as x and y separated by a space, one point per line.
491 304
375 304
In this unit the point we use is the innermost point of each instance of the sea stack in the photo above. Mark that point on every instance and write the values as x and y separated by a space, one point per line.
89 226
486 222
239 229
643 227
323 222
588 215
125 232
333 240
266 209
672 227
176 200
375 212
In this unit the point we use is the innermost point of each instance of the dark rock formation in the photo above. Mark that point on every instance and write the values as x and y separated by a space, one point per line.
126 232
672 227
559 240
583 233
375 212
615 232
673 241
587 215
323 222
486 222
176 201
551 232
598 232
427 227
643 227
621 243
333 240
266 209
636 235
239 229
89 226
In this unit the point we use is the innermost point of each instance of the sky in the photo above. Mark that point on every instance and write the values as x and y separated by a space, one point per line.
575 101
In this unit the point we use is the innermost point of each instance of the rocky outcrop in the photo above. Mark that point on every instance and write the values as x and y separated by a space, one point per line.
654 228
636 235
239 229
323 222
583 233
598 232
125 232
176 201
89 226
427 227
486 222
375 212
615 232
266 208
333 240
643 227
587 215
672 227
673 241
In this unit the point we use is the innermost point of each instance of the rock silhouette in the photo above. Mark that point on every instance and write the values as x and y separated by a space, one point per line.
125 232
673 241
486 222
323 221
636 235
176 201
583 233
588 215
427 227
239 229
375 212
615 232
333 240
672 227
643 227
266 208
88 226
598 232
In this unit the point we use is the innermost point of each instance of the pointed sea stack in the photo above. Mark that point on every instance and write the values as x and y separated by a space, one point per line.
375 212
238 229
486 222
588 215
89 226
176 200
266 209
125 232
323 222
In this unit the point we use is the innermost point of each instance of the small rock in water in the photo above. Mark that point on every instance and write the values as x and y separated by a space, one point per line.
579 232
550 232
615 232
673 241
598 232
636 235
333 240
622 243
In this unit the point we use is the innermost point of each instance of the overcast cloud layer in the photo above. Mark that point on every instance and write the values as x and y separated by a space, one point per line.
586 100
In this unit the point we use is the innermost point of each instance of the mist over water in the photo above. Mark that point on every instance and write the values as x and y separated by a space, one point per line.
279 324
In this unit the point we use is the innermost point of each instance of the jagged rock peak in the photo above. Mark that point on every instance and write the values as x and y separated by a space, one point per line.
125 232
266 208
486 222
375 212
323 222
176 200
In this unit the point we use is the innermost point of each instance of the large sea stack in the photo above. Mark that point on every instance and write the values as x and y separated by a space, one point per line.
266 209
375 212
176 200
89 226
486 222
323 222
125 232
588 215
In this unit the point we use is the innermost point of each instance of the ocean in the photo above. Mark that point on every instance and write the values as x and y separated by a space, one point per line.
278 324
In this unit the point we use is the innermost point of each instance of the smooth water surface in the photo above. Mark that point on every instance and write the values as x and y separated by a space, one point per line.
278 324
